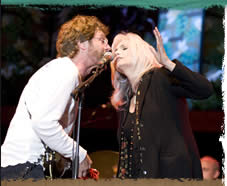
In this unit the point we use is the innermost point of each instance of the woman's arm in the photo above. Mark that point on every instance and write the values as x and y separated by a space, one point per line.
188 84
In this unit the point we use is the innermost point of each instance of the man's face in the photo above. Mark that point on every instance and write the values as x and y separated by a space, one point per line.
98 45
208 170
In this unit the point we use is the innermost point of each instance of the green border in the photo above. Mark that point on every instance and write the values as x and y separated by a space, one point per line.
147 4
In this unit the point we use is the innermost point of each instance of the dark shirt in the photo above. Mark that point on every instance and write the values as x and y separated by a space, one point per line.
162 143
128 126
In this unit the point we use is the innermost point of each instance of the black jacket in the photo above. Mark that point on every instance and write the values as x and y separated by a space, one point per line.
163 144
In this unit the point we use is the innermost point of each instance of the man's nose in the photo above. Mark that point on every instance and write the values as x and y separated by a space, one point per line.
108 48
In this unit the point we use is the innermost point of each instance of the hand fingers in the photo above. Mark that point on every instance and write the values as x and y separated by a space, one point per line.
159 35
156 29
85 165
155 34
80 174
84 173
89 160
159 40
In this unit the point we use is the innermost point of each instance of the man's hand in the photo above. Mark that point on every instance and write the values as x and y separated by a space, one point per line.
84 166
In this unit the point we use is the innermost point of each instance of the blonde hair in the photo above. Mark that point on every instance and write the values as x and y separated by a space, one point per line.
146 58
80 28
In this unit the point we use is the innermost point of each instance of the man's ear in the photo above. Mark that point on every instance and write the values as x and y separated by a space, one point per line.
216 174
83 45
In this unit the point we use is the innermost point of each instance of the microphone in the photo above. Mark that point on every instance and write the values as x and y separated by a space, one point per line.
107 57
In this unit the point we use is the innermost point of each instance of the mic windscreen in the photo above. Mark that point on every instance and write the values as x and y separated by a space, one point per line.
108 56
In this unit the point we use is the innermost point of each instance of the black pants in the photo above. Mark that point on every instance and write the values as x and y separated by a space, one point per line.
22 171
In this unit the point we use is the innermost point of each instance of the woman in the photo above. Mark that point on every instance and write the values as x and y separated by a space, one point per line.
156 139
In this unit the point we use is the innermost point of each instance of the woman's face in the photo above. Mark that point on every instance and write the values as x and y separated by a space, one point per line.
123 60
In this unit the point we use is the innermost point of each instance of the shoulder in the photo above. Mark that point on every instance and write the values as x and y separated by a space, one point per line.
161 73
59 70
160 77
65 67
155 74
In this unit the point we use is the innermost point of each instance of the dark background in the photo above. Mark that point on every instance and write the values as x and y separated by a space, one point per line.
28 42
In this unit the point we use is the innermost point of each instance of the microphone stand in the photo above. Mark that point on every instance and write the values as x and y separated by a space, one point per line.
78 93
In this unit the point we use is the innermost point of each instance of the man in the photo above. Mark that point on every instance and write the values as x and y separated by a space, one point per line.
46 111
210 168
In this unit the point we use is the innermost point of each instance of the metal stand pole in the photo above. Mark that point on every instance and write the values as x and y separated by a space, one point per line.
75 165
79 93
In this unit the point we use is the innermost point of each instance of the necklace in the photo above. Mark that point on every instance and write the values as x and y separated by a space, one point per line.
135 99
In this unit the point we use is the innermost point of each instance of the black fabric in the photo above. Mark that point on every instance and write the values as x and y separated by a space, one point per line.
22 171
131 162
164 145
127 128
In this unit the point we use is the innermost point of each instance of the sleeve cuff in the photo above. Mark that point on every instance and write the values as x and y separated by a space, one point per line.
82 154
178 64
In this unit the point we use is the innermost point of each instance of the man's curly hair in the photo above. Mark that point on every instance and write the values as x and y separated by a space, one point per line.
80 28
